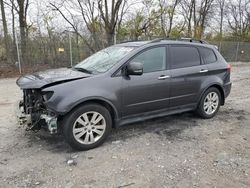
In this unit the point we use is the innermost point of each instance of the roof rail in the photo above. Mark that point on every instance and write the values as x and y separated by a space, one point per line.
180 39
160 39
125 41
194 40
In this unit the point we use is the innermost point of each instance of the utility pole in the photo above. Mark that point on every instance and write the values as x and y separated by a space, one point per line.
237 51
115 37
18 54
70 49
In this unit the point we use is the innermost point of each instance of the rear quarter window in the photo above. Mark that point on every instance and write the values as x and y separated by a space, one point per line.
207 55
184 56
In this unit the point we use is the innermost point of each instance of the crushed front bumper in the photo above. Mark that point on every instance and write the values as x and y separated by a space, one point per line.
45 121
22 118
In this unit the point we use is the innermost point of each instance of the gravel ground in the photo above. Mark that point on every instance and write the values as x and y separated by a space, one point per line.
175 151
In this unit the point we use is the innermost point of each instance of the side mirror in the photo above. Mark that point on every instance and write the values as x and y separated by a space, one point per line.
134 68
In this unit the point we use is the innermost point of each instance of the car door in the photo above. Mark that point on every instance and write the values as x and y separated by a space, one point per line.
149 91
187 74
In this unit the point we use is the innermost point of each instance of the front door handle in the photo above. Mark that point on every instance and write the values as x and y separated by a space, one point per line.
203 70
163 77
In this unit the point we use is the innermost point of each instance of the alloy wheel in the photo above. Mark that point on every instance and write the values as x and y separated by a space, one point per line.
211 103
89 127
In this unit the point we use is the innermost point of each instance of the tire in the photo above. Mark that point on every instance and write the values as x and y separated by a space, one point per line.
213 104
87 126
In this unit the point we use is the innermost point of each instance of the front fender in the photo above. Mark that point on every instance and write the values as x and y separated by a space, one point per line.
65 106
68 95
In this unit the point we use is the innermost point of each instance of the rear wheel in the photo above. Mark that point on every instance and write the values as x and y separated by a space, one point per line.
209 103
87 126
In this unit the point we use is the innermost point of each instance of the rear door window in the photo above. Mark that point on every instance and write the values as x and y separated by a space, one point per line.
184 56
207 55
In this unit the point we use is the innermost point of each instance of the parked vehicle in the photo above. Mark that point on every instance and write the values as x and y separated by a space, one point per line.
125 83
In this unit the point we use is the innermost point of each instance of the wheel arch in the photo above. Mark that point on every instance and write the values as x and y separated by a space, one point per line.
217 86
100 101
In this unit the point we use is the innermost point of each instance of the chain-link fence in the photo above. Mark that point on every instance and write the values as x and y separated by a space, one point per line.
234 51
65 51
55 51
39 53
68 49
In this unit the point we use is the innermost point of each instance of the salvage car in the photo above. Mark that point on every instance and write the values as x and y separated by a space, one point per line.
122 84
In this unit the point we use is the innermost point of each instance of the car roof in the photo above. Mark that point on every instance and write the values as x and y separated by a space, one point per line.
185 41
132 43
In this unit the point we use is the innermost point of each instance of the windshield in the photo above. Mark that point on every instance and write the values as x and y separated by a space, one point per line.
103 60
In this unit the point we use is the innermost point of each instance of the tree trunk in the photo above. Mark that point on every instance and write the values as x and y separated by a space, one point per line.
162 26
78 48
189 20
170 24
163 31
171 17
23 29
110 37
222 3
195 21
221 22
13 50
110 18
5 30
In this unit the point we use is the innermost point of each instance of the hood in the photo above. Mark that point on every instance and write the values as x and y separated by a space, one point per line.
49 77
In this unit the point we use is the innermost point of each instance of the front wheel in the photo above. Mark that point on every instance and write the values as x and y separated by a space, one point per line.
209 103
87 126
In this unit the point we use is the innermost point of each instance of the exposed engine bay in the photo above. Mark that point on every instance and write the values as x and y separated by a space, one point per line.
32 109
34 113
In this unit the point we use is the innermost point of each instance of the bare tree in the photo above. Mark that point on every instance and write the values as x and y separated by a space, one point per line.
166 13
221 7
201 15
88 14
137 25
162 12
88 11
110 17
21 7
5 30
171 12
187 11
239 18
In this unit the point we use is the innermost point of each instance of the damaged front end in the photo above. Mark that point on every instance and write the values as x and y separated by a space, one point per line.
33 111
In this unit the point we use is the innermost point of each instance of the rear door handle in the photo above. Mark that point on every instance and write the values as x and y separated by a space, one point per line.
163 77
203 70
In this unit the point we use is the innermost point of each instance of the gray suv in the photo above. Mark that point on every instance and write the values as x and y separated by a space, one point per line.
125 83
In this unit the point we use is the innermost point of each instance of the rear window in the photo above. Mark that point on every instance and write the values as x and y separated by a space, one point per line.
184 56
207 55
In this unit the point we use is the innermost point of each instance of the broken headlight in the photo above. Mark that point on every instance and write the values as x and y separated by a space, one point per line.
47 95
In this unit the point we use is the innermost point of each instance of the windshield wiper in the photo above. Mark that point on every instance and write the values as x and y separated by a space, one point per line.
82 70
